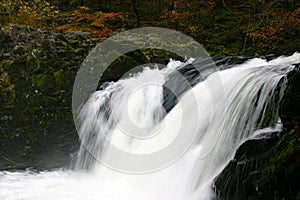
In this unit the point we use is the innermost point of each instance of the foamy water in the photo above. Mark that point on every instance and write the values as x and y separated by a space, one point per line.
211 120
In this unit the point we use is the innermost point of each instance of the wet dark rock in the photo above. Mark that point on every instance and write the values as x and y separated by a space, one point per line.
268 169
37 72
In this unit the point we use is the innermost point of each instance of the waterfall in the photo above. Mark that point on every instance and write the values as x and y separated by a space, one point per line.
134 146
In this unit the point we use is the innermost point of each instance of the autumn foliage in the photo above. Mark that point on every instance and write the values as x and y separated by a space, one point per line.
34 13
281 26
99 24
222 26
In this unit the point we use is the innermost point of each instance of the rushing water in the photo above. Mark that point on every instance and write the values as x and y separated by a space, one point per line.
131 114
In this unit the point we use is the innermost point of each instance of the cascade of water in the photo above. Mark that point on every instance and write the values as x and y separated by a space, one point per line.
129 115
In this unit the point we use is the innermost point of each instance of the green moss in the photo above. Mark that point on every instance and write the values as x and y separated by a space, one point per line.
33 65
44 82
284 149
61 79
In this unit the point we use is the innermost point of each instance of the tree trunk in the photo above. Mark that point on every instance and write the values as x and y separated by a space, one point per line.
105 4
172 5
136 12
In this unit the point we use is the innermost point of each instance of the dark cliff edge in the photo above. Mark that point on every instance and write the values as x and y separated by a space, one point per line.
268 168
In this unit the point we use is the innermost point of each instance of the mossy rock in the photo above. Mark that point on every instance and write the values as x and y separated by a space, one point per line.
33 65
2 88
61 79
44 83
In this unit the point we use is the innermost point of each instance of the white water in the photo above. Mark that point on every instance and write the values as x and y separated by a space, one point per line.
220 126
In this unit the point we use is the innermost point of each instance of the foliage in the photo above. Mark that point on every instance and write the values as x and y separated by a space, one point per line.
280 27
99 24
176 17
35 13
236 27
185 15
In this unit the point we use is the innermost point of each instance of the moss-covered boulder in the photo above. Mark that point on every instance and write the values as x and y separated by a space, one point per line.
38 69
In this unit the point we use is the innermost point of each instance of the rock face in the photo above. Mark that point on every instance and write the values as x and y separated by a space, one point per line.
37 73
269 168
38 69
